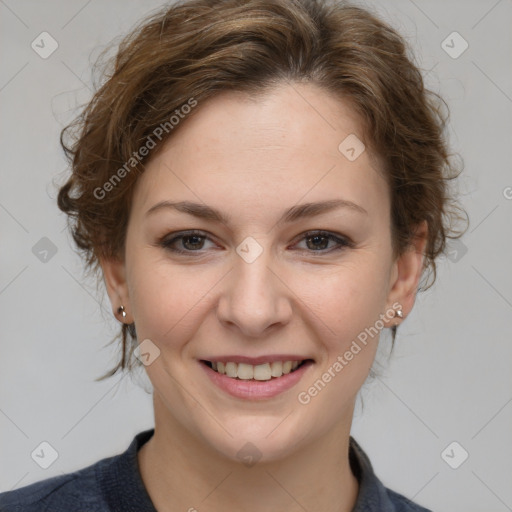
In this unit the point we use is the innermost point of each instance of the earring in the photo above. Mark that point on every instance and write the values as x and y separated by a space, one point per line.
121 311
398 313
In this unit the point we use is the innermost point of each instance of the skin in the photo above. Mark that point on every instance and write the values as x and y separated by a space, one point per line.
252 160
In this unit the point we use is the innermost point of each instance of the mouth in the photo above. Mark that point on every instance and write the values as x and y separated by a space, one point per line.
262 381
266 371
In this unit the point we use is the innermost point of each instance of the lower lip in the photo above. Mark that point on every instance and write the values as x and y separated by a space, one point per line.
256 389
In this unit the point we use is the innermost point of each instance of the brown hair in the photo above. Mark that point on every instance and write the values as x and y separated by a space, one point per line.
195 49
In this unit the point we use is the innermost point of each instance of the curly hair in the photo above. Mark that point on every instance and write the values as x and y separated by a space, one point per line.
192 50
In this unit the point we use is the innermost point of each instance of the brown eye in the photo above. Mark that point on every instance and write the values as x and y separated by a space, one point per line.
318 241
193 242
184 243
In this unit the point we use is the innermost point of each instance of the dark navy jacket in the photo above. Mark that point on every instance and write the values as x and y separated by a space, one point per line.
114 484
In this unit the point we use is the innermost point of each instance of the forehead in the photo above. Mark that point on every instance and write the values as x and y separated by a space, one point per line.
283 145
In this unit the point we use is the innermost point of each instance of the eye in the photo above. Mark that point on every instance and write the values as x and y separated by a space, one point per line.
193 241
318 241
186 242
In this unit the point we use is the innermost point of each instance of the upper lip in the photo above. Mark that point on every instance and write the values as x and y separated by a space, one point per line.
256 360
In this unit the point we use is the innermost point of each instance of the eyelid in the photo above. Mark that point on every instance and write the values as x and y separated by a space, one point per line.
342 241
170 238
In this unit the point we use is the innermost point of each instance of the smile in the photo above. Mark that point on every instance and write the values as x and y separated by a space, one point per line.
244 371
255 382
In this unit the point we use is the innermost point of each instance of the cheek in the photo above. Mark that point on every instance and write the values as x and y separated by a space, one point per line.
167 299
344 301
343 307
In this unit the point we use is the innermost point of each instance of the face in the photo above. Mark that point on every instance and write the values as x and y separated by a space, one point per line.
261 279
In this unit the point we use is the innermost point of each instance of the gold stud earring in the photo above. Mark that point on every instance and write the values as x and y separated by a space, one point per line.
121 311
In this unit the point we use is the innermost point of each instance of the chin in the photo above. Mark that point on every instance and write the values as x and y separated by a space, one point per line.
256 439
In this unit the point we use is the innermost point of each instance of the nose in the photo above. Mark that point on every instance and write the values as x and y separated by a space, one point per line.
255 298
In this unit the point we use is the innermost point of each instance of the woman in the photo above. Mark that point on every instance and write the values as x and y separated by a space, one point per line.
261 184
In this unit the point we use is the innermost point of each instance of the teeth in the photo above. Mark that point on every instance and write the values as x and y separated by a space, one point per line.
263 371
276 369
244 371
231 370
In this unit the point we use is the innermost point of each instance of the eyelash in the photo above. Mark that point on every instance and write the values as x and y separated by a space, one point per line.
341 241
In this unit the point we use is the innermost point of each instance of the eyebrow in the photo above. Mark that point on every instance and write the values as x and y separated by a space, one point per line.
293 214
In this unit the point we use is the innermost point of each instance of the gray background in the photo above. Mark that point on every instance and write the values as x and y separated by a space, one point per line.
449 378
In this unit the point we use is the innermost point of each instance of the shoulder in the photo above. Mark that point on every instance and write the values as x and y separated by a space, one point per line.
373 495
403 504
112 483
59 493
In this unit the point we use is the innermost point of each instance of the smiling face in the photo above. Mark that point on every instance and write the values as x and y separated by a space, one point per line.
256 279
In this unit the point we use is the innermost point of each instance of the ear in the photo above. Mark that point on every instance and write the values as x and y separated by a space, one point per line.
407 271
114 275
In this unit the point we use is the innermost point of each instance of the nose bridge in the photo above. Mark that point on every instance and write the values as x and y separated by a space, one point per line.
254 298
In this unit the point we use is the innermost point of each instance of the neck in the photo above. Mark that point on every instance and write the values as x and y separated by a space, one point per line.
180 472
